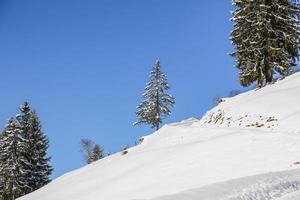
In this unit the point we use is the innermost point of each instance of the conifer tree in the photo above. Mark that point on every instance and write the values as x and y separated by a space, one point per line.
38 167
156 101
38 145
91 151
266 39
96 153
13 168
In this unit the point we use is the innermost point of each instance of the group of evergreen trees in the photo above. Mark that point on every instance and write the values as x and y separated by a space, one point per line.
266 36
24 164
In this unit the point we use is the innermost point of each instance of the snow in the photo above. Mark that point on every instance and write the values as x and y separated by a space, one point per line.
266 186
254 133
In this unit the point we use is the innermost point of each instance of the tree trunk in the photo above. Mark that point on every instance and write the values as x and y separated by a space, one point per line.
269 78
259 82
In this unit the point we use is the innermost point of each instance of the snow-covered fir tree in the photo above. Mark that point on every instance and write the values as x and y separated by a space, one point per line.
266 39
39 169
96 153
38 145
13 164
156 101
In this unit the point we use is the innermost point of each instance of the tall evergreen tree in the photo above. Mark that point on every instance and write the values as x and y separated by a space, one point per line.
266 37
38 146
23 120
38 168
24 164
156 101
13 168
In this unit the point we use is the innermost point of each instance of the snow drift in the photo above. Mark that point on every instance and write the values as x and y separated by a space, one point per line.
257 132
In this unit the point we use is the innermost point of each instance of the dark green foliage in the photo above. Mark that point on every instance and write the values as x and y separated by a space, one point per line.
37 145
13 164
155 106
24 164
266 37
96 154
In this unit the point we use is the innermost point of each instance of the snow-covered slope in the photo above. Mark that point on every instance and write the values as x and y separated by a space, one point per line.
259 187
254 133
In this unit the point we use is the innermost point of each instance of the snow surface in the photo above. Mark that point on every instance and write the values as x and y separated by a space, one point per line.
254 133
266 186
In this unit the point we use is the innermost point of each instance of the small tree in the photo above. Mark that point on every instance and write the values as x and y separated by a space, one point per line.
91 152
157 102
96 154
86 149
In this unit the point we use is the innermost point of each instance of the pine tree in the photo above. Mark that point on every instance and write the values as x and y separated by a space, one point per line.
96 153
266 37
23 120
38 167
12 162
156 101
38 146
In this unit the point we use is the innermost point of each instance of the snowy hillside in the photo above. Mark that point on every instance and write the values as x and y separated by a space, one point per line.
255 133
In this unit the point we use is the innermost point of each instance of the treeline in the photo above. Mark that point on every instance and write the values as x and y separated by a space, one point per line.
24 163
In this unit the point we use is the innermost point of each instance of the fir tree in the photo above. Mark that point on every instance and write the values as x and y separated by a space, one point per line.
38 167
266 37
23 120
156 101
38 146
13 168
96 153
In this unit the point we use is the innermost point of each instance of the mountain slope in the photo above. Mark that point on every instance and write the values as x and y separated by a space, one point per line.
253 133
268 186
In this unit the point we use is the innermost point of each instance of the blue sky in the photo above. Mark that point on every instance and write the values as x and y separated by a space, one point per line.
83 64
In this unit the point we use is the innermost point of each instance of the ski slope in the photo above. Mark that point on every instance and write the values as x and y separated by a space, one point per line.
260 187
250 135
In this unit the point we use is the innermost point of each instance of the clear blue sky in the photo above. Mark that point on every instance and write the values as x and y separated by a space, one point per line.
83 64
